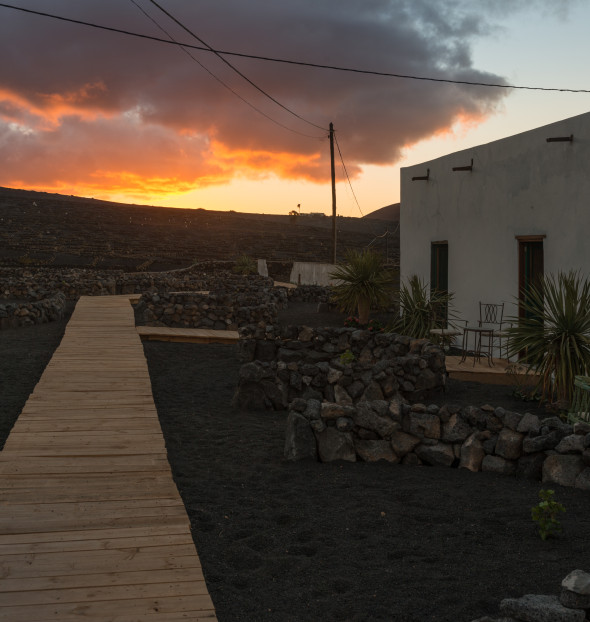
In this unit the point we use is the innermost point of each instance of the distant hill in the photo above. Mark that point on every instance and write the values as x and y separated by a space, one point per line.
389 212
43 229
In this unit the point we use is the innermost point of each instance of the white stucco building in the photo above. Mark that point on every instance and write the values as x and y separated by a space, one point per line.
485 222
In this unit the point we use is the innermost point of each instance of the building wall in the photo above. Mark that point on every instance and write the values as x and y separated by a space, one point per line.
519 186
307 273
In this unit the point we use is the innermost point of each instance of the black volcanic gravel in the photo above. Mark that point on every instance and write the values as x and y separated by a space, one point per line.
305 541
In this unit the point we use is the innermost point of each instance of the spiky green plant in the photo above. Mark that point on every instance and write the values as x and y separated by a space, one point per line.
245 265
421 311
553 338
364 282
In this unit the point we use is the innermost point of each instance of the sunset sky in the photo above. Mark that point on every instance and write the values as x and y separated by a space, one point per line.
101 114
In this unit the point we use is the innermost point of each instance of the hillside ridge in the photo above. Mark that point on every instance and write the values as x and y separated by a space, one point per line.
39 228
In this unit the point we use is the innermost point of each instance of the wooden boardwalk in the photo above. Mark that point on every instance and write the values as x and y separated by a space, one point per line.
91 524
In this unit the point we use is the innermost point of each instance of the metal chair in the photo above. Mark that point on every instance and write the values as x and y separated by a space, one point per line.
491 315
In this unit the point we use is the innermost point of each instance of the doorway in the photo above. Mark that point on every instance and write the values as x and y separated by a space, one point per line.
530 269
439 276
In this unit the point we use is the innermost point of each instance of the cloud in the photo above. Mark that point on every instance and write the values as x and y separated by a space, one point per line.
100 110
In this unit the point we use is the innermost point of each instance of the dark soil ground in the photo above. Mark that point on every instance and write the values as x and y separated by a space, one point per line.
305 541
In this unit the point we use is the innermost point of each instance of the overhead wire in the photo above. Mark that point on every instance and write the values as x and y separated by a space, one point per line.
215 77
222 53
347 175
241 74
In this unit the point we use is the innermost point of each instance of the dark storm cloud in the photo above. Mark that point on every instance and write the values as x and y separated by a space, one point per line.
69 90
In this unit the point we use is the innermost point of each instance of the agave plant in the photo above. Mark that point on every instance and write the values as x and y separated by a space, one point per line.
364 282
421 312
553 338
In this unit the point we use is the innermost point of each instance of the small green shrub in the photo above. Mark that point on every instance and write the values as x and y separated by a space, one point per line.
245 265
347 357
545 514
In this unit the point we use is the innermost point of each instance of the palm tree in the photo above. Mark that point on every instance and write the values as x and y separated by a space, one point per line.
364 282
553 338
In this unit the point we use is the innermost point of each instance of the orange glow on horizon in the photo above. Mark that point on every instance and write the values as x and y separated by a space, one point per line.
263 163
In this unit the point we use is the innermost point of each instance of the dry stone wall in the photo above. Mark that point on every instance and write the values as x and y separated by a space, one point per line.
343 365
27 313
309 293
478 439
33 296
217 311
73 283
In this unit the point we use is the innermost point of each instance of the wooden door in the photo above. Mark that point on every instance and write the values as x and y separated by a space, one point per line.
439 275
530 269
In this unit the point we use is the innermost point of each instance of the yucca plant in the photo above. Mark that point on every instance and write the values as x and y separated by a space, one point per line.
364 282
421 311
553 338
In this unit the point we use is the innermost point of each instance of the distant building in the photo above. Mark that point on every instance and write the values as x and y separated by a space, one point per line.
485 222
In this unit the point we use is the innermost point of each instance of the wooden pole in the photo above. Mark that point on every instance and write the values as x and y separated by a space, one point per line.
333 193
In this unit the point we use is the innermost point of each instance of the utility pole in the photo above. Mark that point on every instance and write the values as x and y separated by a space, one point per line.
333 193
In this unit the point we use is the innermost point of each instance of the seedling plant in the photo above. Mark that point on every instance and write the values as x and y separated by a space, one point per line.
546 514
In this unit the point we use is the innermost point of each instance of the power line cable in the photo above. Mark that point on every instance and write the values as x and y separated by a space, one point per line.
242 75
293 62
347 176
229 88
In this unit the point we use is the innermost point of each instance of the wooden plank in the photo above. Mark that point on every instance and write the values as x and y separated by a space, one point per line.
196 608
151 507
144 577
91 523
194 335
50 465
39 538
101 561
101 593
131 425
54 546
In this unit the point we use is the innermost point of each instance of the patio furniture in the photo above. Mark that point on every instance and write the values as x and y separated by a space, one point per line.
491 316
483 339
580 408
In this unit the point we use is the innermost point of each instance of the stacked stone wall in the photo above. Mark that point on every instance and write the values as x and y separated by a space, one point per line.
27 313
478 439
73 283
234 300
221 311
309 293
342 365
39 284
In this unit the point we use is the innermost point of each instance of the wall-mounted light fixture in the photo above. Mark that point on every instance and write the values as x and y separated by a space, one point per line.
423 177
561 139
464 168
